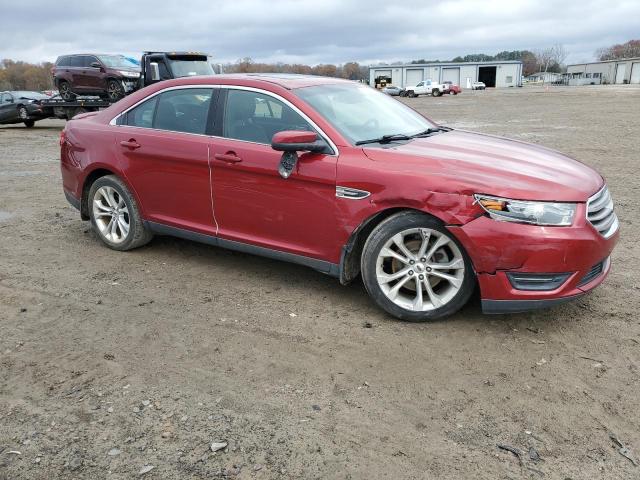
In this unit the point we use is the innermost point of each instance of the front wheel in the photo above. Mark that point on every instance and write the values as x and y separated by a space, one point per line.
436 92
115 216
115 90
29 123
411 94
415 269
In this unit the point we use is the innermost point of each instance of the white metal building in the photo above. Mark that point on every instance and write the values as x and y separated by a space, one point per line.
625 70
493 74
543 77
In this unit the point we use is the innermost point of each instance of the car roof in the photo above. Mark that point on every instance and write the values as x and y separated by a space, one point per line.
289 81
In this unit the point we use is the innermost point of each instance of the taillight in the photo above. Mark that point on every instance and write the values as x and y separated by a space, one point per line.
63 138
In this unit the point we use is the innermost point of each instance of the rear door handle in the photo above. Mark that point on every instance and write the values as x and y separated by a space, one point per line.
131 143
229 157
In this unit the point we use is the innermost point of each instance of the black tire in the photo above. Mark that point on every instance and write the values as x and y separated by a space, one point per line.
411 94
380 235
138 234
115 90
29 123
65 91
436 93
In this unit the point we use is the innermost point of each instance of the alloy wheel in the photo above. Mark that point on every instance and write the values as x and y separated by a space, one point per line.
111 214
22 112
114 90
420 269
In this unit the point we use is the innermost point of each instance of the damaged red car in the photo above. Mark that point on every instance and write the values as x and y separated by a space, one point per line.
336 176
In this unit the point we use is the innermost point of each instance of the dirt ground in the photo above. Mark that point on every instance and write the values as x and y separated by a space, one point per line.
112 362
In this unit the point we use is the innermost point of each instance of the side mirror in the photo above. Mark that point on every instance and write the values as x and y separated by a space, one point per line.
96 65
155 71
291 142
298 141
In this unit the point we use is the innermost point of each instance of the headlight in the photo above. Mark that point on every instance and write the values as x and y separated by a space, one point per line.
124 73
537 213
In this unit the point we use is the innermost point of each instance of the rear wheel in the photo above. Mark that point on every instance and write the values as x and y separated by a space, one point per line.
115 90
65 91
115 216
29 123
415 269
436 93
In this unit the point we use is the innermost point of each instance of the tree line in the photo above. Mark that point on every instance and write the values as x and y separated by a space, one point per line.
19 75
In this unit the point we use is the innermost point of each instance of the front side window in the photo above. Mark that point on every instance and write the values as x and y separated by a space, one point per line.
256 117
183 110
361 113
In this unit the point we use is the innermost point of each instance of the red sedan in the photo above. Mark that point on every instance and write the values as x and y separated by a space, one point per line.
452 88
346 180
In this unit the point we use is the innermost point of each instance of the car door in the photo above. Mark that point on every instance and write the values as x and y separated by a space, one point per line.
163 146
7 108
253 203
92 76
75 69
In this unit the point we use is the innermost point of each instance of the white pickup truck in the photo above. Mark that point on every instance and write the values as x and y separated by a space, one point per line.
425 87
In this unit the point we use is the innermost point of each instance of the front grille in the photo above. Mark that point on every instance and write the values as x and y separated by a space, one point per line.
594 273
600 213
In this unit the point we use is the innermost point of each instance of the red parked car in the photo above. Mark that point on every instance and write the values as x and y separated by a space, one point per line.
452 88
337 176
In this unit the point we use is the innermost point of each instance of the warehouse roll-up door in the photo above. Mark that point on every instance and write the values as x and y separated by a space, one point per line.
635 73
451 75
383 73
620 71
414 77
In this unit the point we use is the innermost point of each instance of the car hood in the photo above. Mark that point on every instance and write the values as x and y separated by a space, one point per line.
467 162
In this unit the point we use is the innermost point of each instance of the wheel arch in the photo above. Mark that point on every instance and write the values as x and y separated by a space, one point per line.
96 173
352 250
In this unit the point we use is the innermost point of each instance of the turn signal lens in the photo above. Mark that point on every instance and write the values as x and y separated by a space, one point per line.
490 204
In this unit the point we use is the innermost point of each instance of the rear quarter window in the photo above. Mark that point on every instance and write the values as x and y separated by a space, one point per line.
142 115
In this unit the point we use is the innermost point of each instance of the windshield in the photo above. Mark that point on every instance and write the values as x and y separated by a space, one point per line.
30 95
118 61
189 68
360 112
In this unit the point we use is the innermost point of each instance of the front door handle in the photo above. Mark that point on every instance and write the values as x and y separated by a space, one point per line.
229 157
131 143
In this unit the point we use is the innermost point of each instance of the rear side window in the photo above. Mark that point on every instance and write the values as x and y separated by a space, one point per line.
176 110
74 61
142 115
63 61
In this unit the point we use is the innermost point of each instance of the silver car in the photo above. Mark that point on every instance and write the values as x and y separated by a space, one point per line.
393 91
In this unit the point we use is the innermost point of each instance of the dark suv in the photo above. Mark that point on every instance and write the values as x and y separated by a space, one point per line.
109 76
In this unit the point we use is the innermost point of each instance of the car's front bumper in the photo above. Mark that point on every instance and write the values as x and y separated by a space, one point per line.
500 248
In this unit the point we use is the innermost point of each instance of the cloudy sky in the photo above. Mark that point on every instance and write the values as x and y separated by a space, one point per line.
312 32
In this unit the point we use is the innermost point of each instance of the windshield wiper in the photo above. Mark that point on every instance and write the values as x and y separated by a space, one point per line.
385 139
402 136
431 130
